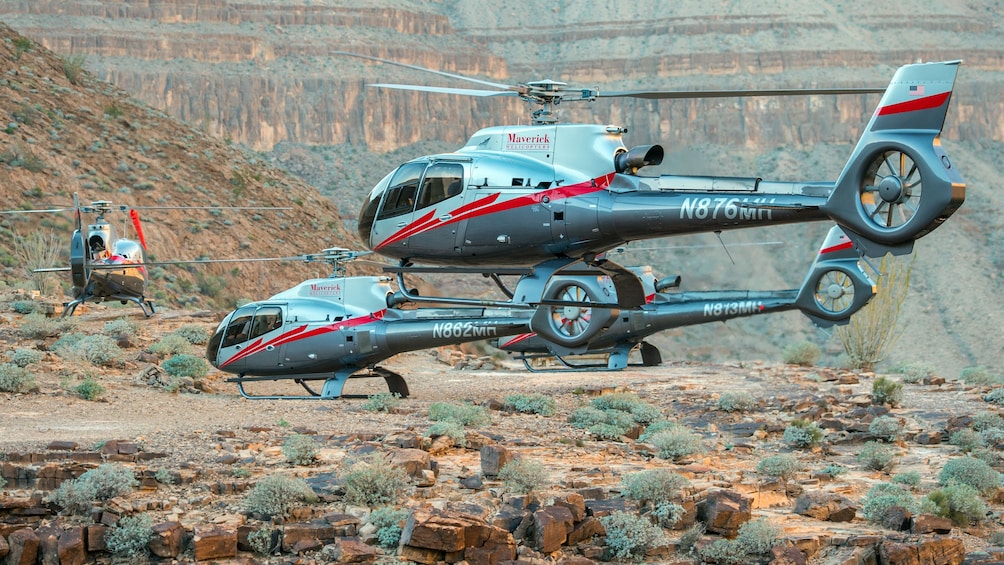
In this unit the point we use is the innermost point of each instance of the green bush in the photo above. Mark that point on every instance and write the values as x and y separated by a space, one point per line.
106 481
382 402
38 326
451 429
995 396
958 502
887 391
171 344
193 333
966 439
885 428
23 306
89 389
915 372
781 466
15 379
130 536
466 414
524 476
803 354
979 376
119 327
373 481
909 478
676 443
754 541
96 349
22 356
299 449
834 470
881 501
630 536
262 540
874 330
802 433
877 456
389 523
656 427
736 401
530 404
628 403
652 486
586 417
275 495
183 365
970 471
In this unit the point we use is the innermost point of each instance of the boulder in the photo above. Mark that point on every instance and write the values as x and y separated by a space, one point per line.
723 511
215 542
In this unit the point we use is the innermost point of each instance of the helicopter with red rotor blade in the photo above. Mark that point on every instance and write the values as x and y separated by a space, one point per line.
549 195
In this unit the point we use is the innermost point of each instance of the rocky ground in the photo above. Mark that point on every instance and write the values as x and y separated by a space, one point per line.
215 445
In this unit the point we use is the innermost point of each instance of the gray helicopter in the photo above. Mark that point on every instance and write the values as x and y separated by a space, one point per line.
332 329
550 195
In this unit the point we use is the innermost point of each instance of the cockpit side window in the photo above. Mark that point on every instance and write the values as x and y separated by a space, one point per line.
442 180
238 329
400 197
266 319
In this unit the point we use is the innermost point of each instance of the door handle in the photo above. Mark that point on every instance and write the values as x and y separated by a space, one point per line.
445 217
402 224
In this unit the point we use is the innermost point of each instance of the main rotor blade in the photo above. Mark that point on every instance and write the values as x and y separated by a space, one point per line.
418 68
448 90
672 94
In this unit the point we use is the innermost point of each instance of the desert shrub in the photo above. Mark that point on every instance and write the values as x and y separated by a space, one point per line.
14 378
468 415
996 396
89 389
803 354
275 495
451 429
689 538
299 449
23 356
73 68
382 402
184 365
262 540
754 540
876 456
881 501
522 475
193 333
834 470
656 427
915 372
164 476
38 326
874 330
130 536
969 471
171 344
119 327
676 443
781 466
979 375
645 413
388 523
652 486
23 306
668 514
105 481
530 404
983 421
909 478
958 502
373 481
3 482
96 349
586 416
802 433
887 391
966 439
628 403
885 428
629 536
736 401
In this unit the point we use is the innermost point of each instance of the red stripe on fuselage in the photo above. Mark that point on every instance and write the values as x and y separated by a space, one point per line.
838 247
925 103
491 204
298 333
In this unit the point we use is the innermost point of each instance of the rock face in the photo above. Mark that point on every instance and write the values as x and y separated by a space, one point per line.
263 73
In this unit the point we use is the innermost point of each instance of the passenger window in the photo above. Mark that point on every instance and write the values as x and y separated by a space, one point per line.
442 181
401 193
238 330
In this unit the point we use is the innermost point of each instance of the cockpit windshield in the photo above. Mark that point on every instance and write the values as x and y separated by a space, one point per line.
249 323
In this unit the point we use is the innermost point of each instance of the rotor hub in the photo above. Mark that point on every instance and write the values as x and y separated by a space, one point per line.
834 291
891 189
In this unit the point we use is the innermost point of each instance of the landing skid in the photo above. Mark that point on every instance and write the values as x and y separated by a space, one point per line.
616 360
332 387
143 303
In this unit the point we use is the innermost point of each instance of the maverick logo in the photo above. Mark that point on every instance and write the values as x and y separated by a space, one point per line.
325 290
539 142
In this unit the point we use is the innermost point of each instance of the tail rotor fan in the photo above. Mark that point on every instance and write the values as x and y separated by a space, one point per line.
834 292
891 189
571 321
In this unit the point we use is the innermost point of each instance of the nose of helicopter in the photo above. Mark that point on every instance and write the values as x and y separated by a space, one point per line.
213 347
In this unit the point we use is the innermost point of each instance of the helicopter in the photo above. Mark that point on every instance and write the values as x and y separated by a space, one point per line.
105 267
336 328
550 195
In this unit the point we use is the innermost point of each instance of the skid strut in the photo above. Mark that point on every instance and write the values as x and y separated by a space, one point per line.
331 389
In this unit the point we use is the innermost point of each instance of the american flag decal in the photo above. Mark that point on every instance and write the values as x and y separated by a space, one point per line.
917 90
